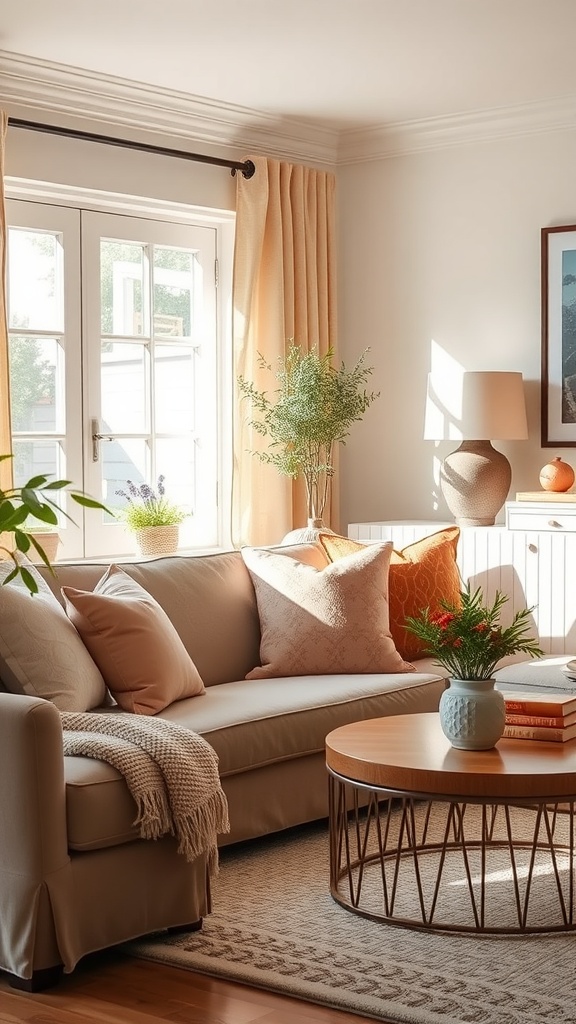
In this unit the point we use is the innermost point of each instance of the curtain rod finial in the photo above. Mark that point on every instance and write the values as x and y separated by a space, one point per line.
248 169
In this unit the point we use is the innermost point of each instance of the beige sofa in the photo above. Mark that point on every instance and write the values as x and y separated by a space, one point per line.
74 874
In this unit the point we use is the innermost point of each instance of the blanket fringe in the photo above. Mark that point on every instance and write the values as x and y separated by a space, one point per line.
153 818
212 815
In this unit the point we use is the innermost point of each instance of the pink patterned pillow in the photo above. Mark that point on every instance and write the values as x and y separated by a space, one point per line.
323 621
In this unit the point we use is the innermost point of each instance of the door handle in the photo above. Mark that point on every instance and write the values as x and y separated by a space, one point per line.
96 438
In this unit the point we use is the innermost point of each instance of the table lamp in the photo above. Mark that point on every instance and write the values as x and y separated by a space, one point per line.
485 406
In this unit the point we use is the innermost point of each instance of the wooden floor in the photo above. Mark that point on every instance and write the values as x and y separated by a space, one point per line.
108 988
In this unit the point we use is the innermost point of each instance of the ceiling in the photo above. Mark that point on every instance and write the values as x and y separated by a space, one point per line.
342 64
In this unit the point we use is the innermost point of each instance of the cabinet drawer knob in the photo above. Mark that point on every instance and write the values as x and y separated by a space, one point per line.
552 522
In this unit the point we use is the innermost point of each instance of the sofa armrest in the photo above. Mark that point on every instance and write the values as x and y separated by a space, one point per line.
33 840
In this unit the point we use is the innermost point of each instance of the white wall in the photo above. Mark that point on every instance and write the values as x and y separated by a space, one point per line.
443 247
48 158
438 247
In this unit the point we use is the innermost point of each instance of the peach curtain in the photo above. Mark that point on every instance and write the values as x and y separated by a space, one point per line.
284 288
5 433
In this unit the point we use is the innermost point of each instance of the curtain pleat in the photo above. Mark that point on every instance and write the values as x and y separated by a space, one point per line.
284 289
5 431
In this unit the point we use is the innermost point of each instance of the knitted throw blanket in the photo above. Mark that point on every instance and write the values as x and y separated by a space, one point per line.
171 772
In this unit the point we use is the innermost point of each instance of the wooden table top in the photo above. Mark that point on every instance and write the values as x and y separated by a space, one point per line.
411 753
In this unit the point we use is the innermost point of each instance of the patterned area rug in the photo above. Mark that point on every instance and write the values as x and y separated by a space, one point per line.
275 926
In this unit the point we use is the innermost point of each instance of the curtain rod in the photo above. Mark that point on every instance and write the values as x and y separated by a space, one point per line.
246 167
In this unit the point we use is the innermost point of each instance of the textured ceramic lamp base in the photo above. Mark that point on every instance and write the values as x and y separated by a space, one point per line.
475 480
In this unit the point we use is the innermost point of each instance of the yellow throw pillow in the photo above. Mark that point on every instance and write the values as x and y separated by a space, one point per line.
323 621
420 576
133 642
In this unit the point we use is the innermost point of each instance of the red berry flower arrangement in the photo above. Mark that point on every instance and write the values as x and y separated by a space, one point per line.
468 640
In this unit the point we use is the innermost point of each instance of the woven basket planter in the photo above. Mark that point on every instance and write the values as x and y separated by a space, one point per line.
158 540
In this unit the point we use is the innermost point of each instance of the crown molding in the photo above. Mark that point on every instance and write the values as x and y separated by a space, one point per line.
95 98
491 125
73 93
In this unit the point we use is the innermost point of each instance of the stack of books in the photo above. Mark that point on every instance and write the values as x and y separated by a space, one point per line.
540 716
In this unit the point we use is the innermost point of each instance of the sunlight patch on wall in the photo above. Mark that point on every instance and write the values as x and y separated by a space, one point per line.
444 397
443 404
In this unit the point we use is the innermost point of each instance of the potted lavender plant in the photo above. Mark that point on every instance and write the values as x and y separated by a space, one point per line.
152 517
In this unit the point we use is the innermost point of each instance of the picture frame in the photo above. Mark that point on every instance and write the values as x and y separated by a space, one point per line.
558 302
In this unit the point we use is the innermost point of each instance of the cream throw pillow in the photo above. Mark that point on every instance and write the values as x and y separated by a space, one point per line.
134 643
323 621
41 653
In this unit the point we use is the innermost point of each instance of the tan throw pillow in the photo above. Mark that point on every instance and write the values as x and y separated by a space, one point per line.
420 576
134 643
323 621
41 653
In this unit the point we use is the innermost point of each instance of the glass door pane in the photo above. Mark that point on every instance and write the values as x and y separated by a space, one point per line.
35 281
123 285
37 391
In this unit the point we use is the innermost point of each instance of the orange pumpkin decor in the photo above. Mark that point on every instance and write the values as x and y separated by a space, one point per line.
556 476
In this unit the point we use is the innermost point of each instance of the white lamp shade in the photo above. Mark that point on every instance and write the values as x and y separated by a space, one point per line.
480 405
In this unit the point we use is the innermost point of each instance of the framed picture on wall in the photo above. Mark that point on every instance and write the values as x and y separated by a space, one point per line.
558 406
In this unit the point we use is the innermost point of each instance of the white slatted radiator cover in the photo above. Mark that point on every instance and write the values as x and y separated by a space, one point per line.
531 568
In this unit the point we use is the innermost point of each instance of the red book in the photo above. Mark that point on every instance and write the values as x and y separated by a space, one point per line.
545 721
546 705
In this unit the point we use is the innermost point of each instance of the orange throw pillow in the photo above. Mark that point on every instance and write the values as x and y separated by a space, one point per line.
133 642
420 575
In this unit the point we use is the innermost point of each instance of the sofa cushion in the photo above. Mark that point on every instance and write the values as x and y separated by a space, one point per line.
255 724
208 598
100 810
41 653
319 621
132 640
250 725
420 576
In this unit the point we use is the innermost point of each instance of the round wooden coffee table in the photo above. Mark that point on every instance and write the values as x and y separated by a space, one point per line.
428 836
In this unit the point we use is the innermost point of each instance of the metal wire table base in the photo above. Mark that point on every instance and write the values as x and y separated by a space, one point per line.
445 864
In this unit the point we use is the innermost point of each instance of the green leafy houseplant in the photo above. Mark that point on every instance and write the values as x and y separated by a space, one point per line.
310 412
469 641
20 508
148 507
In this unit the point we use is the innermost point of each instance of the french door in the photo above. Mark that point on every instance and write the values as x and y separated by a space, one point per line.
115 364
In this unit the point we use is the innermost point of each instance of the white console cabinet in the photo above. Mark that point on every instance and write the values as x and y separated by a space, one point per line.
533 567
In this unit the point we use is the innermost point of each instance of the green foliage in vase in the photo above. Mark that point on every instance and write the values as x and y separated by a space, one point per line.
468 640
21 508
310 412
149 507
